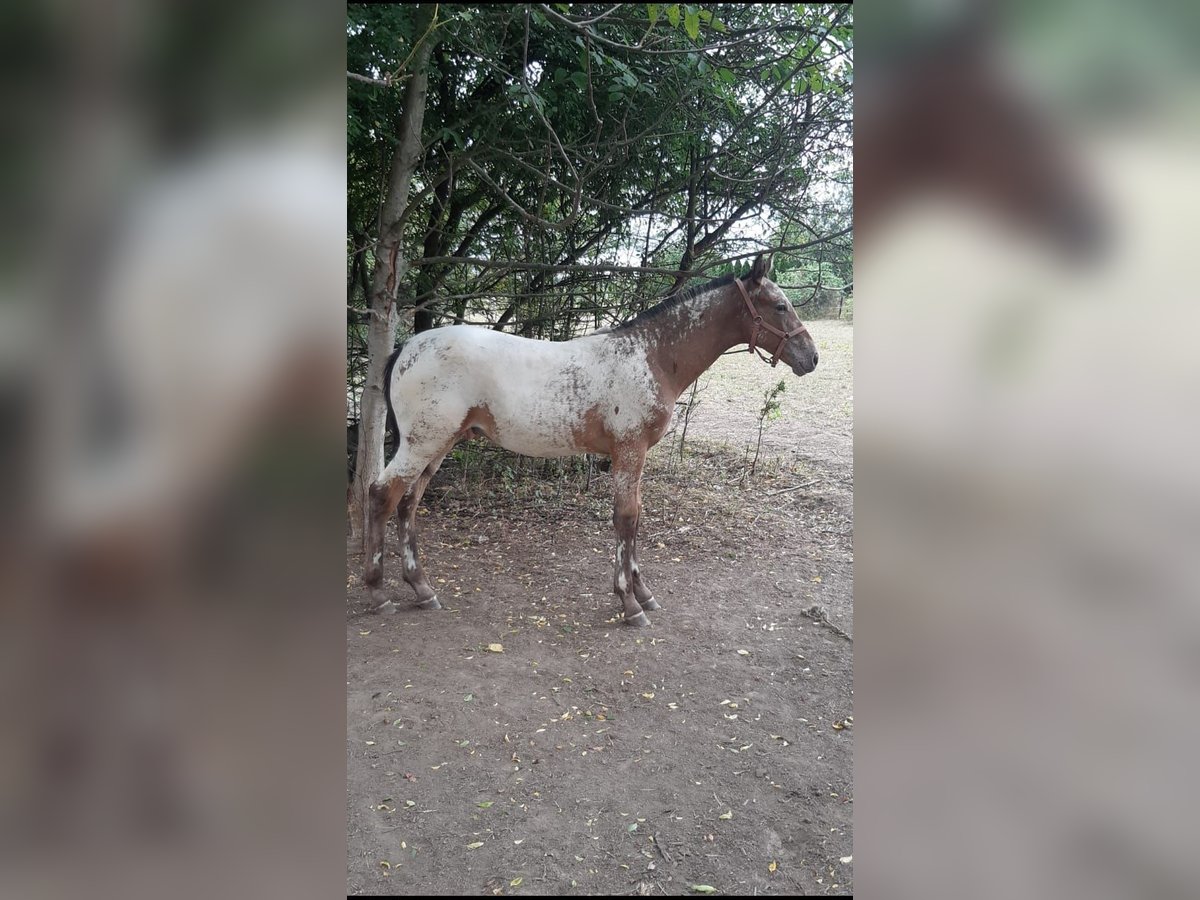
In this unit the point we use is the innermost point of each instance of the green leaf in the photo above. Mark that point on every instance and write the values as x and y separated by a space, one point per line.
691 24
652 13
580 80
726 75
485 804
673 15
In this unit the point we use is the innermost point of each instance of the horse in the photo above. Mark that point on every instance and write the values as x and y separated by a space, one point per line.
609 393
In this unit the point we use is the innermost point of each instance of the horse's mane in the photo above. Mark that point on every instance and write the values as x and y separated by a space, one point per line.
674 300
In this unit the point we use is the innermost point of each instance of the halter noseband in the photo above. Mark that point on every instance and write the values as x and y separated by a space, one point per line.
759 324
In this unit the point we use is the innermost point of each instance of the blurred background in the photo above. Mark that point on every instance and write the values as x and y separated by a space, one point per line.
171 355
1028 497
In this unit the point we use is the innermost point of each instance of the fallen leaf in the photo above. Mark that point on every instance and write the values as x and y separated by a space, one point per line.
495 648
743 653
649 696
410 803
516 882
773 866
475 846
847 859
704 889
728 814
485 804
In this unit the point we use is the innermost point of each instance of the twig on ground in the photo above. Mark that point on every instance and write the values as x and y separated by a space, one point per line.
662 851
818 614
794 487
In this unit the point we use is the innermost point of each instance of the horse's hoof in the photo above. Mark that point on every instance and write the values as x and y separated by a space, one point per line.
650 605
431 603
639 620
387 606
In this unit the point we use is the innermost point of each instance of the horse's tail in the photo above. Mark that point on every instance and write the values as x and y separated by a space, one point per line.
393 428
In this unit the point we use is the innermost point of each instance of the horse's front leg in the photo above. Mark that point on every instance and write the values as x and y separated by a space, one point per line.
641 590
627 477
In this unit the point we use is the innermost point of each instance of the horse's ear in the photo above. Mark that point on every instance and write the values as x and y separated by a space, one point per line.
760 270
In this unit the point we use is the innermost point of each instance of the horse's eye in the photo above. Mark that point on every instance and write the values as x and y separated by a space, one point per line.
782 307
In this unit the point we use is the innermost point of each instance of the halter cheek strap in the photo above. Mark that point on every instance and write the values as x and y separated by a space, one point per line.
760 325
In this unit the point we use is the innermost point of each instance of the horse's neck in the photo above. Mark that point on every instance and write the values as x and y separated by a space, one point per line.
689 339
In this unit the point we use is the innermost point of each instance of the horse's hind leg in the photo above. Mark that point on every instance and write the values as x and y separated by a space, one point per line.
406 522
383 497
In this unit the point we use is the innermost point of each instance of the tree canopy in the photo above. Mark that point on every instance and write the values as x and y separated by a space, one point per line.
579 161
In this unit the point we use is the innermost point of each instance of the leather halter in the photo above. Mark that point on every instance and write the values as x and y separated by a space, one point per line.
759 324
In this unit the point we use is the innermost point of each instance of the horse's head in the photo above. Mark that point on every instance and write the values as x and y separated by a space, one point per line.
771 321
1001 148
947 118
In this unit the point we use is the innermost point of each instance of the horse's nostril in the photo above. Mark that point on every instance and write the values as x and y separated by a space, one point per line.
814 359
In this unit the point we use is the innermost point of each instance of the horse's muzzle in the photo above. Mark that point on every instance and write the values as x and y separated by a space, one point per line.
805 363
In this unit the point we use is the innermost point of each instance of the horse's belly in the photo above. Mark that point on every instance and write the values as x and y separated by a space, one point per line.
542 448
531 440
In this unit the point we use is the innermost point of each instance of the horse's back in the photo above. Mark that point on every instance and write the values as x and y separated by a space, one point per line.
481 357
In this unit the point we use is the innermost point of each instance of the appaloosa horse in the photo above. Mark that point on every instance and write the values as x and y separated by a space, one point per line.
610 393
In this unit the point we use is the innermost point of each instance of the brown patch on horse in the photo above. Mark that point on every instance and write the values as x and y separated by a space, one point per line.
656 426
592 434
480 420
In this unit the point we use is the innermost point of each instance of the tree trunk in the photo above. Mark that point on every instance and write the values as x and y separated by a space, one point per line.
390 269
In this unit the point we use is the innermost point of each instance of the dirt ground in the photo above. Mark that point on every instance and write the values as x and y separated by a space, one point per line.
524 741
